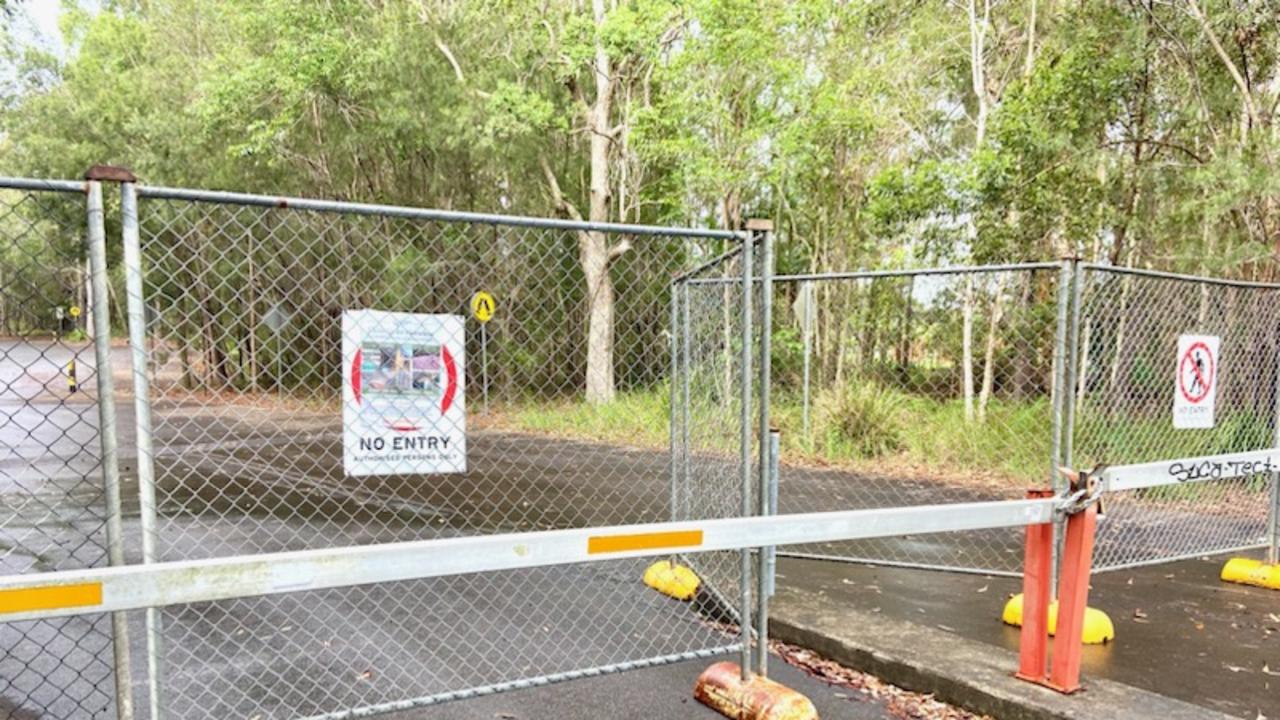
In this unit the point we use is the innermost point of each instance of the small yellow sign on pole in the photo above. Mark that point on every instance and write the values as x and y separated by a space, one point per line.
74 311
483 306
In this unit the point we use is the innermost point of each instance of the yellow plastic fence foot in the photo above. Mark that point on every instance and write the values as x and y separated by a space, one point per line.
721 688
1247 571
677 581
1098 628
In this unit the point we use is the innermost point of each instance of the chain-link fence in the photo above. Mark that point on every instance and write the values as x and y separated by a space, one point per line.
594 384
54 496
871 396
1127 374
566 392
714 438
950 385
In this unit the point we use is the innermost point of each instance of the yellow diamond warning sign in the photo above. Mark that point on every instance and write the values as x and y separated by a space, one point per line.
483 306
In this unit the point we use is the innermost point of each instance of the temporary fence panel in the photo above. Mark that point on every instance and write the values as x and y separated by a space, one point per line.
56 498
714 438
562 397
1149 348
898 388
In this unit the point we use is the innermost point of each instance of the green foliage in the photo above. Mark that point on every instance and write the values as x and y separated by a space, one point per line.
638 419
1119 134
860 420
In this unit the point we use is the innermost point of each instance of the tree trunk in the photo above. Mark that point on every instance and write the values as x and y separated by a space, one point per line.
1025 362
1082 377
904 341
1122 320
593 249
989 358
966 362
594 256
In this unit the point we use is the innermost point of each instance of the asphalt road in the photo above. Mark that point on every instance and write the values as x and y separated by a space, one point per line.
261 477
253 479
660 693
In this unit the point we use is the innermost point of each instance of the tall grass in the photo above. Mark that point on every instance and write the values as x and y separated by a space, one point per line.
638 418
867 421
860 424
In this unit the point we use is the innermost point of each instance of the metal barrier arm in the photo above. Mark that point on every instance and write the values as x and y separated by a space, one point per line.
1119 478
79 592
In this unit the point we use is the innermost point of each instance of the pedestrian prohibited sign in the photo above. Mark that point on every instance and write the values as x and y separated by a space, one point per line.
1196 381
482 306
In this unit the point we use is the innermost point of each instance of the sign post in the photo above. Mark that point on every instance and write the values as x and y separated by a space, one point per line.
275 319
482 308
1196 381
806 309
403 377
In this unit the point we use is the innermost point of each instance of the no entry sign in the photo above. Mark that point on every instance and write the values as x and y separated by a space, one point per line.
1196 381
402 393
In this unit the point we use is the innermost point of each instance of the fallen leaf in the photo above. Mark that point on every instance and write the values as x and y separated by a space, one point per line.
1235 668
1139 614
983 588
1268 671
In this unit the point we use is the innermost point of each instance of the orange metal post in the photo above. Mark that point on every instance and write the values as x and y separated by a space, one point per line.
1073 598
1033 649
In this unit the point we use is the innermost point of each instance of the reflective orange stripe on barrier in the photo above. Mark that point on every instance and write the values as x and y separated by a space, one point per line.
50 597
598 544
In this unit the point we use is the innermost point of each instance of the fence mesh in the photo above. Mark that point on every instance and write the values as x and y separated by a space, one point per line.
600 393
870 395
710 413
52 500
245 306
1127 367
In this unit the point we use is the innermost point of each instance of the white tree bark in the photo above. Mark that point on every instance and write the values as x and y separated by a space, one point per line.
595 255
1082 378
989 357
593 250
977 75
967 350
977 66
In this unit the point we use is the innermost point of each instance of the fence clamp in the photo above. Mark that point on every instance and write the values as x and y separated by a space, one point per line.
1085 490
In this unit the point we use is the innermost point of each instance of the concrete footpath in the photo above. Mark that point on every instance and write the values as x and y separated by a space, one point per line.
1188 646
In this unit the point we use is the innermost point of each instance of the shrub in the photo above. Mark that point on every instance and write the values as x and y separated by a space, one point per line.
860 419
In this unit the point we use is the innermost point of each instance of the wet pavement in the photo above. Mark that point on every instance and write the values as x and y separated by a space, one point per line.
247 479
659 693
1180 631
